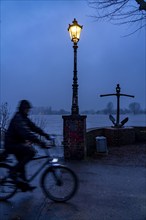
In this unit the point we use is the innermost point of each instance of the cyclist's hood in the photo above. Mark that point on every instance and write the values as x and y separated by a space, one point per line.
23 105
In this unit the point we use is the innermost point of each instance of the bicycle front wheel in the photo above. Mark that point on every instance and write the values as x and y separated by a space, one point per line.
59 183
7 185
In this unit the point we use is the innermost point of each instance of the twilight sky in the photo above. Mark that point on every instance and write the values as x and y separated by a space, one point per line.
37 56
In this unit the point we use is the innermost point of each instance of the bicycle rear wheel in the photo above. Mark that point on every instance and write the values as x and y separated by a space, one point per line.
59 183
7 185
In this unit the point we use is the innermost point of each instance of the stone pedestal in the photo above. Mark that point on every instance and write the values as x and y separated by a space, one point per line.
74 136
120 136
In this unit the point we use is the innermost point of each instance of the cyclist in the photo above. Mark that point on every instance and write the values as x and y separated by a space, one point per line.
20 133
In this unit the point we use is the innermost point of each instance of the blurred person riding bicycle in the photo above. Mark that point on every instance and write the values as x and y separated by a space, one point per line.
20 133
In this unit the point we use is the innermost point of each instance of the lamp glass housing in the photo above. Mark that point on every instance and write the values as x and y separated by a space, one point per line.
75 31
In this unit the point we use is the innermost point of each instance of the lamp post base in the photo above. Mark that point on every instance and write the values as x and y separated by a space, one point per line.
74 136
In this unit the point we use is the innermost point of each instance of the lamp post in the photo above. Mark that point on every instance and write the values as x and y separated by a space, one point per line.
74 31
74 127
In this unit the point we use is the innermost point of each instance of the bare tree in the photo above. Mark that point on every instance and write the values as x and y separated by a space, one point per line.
121 11
135 107
110 107
40 121
4 115
4 119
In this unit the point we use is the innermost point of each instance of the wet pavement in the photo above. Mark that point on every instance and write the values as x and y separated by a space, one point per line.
107 192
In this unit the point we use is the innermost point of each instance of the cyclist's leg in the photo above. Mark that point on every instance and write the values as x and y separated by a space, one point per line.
23 154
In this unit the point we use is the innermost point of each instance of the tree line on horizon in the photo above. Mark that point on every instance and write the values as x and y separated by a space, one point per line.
133 108
5 113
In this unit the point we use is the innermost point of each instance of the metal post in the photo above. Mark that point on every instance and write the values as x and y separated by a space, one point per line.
118 104
75 107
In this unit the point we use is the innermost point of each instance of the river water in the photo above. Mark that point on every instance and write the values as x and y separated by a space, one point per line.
53 124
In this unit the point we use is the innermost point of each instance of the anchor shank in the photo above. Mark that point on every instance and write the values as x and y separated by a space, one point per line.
118 110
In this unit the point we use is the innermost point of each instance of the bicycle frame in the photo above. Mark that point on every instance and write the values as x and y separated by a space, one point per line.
47 162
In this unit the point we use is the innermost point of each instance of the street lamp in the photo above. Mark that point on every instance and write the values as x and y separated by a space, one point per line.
74 125
74 31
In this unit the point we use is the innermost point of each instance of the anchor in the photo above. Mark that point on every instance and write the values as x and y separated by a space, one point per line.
116 122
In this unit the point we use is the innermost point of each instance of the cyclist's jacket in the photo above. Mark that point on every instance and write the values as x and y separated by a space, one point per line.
20 130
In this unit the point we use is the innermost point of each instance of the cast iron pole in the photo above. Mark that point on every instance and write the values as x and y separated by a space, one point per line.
75 107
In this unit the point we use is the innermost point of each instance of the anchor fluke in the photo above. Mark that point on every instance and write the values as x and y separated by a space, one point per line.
112 119
124 121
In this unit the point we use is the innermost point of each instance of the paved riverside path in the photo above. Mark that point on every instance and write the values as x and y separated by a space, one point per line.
108 191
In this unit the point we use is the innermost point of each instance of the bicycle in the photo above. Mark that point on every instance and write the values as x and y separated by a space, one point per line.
58 182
